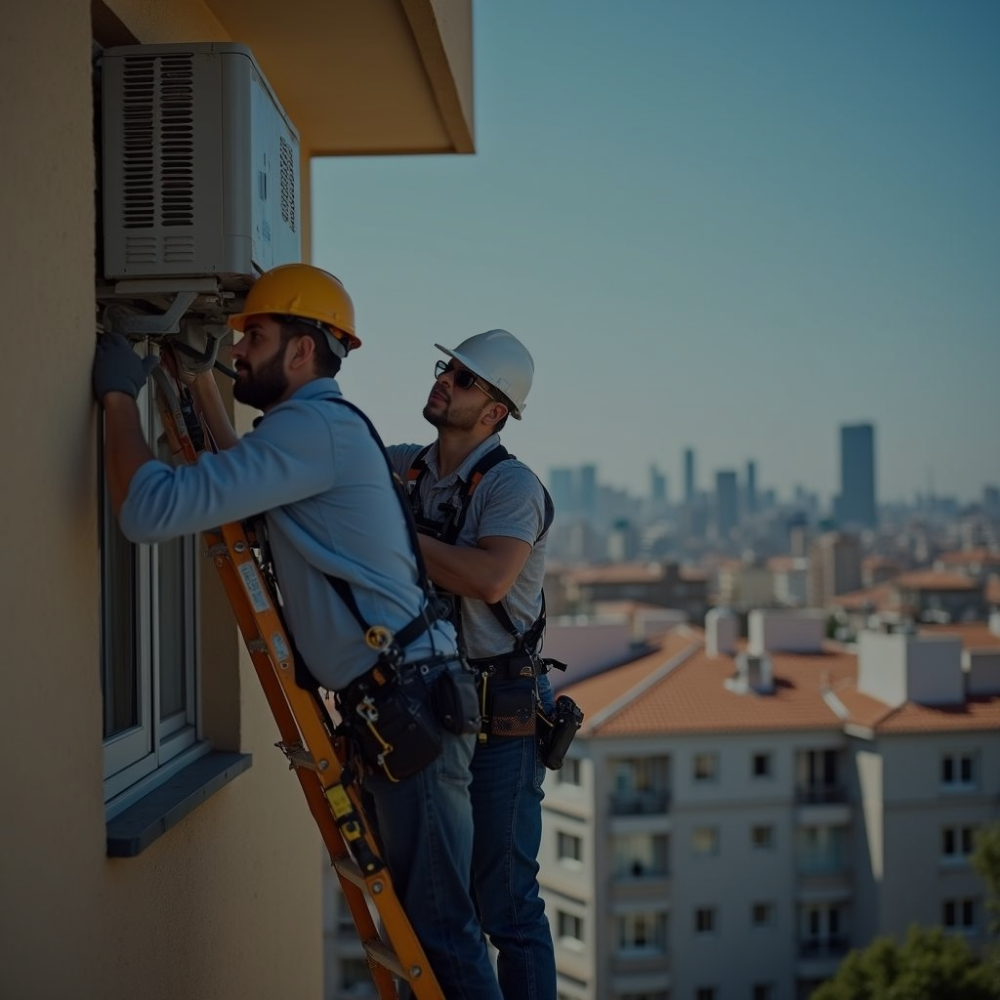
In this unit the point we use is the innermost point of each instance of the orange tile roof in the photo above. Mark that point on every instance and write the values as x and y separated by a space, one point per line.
882 598
992 591
974 635
934 580
964 557
616 573
678 688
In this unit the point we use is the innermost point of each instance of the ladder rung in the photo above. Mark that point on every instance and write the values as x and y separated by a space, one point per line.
383 955
348 868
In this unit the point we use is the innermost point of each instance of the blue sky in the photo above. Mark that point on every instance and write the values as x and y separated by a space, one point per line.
715 223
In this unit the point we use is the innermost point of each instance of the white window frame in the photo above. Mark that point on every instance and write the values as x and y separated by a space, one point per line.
706 921
705 841
958 843
569 930
955 760
148 749
642 933
963 917
705 768
569 850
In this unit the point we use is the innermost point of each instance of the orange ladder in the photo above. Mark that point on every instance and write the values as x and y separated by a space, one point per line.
308 740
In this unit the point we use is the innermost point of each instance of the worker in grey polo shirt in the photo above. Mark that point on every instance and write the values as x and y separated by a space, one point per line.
343 556
483 516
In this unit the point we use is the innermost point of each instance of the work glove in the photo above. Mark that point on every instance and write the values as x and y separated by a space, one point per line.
117 368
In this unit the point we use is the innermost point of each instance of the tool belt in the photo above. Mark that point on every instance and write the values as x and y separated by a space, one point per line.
507 701
396 718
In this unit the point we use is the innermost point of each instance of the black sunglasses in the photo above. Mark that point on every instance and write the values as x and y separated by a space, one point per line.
462 377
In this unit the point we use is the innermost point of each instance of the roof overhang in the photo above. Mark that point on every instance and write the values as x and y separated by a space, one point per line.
357 77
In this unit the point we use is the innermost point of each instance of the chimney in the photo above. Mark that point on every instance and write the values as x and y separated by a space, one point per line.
754 674
896 668
721 632
786 632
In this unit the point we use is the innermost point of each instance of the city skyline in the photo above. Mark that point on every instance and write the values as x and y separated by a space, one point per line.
736 227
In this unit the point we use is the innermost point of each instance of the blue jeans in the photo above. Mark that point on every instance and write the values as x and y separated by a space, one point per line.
507 810
425 827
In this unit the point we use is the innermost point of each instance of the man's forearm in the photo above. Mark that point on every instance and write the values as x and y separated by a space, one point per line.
125 447
485 572
208 401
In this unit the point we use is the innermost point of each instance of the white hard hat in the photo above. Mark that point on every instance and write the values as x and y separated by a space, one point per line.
500 359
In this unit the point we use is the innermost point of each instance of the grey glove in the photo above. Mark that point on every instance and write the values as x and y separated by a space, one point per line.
117 368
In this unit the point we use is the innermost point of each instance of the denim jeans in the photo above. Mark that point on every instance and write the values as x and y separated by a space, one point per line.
507 811
425 826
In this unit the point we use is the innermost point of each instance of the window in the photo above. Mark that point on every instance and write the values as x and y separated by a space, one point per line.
569 773
706 766
760 765
762 837
958 771
762 914
148 650
642 933
570 928
705 840
957 843
704 920
641 855
762 991
959 915
705 993
821 850
569 849
641 785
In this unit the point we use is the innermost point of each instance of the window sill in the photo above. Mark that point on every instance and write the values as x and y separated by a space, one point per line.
132 831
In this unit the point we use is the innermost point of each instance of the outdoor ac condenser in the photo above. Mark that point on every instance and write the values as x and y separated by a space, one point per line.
200 166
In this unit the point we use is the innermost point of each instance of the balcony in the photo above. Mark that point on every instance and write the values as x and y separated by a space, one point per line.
820 795
648 803
818 958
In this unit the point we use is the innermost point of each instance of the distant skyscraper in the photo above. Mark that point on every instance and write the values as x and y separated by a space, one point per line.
657 486
751 495
857 505
689 485
562 488
588 489
726 503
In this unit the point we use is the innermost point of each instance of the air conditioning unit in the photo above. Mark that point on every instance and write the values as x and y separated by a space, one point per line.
200 166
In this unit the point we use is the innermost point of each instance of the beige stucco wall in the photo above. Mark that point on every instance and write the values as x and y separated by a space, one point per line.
227 904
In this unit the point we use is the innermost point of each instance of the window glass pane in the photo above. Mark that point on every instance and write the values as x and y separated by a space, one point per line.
119 679
173 627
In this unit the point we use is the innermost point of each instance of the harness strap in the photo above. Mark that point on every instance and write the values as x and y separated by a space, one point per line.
449 530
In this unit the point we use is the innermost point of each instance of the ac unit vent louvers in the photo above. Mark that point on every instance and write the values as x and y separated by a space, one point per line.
287 173
158 105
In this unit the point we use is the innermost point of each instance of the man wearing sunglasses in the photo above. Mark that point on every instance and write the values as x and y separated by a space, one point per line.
483 516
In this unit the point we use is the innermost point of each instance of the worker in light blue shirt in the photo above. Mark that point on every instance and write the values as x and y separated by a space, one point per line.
314 468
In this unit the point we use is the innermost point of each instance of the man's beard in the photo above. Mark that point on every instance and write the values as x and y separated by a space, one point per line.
454 419
262 388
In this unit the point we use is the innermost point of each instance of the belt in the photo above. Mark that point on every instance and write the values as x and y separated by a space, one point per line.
509 666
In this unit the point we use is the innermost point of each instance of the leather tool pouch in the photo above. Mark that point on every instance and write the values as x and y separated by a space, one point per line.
393 725
455 701
511 709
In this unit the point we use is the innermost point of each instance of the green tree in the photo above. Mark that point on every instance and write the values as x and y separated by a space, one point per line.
928 965
986 862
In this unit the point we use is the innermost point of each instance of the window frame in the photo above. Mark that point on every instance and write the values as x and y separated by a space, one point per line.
147 748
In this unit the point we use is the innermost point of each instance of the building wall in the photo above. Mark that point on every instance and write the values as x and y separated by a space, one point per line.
889 810
227 904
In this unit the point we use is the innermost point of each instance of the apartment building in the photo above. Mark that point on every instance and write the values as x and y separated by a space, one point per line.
736 814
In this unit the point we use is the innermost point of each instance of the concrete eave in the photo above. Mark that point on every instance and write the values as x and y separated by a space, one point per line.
362 77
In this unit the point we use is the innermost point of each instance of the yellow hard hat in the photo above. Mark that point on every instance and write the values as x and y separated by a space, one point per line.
306 292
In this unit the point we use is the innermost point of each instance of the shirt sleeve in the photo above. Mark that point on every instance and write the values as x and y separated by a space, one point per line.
288 457
511 504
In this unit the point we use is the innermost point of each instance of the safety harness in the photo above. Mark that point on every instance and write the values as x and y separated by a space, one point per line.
523 659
